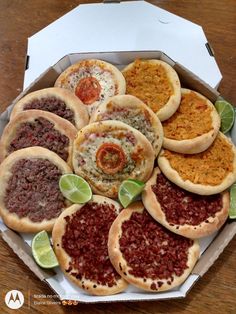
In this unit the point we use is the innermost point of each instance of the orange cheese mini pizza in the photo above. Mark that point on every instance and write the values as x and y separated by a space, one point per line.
148 255
156 83
38 128
106 153
193 127
30 198
205 173
59 101
132 111
92 81
80 238
185 213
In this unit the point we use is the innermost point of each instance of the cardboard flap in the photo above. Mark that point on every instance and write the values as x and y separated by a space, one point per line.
125 26
215 249
23 251
188 79
112 1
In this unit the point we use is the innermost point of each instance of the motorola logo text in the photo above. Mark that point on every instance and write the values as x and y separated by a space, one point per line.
14 299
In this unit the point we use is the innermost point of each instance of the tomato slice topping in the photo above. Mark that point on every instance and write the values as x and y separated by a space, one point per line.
88 90
110 158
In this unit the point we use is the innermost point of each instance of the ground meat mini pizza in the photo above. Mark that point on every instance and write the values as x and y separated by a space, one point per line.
92 81
106 153
134 112
156 83
30 199
193 127
38 128
59 101
148 255
80 238
185 213
206 173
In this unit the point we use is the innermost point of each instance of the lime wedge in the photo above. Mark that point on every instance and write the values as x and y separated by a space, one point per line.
129 190
227 114
42 251
232 208
75 188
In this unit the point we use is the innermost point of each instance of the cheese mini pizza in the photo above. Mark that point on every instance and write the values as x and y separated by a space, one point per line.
106 153
185 213
59 101
193 127
156 83
38 128
92 81
80 238
148 255
206 173
30 198
132 111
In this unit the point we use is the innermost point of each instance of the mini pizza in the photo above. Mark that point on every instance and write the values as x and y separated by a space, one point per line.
38 128
148 255
80 238
59 101
30 198
193 127
132 111
156 83
106 153
206 173
185 213
92 81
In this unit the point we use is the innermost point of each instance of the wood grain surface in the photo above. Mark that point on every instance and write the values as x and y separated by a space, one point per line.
19 19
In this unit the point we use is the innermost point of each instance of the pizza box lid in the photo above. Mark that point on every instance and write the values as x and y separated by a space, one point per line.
211 247
122 26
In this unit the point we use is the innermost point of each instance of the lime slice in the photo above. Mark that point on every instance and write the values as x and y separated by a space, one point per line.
42 251
75 188
129 190
227 114
232 208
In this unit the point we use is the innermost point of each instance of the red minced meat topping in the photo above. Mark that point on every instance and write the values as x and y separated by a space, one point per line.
41 132
183 207
85 241
54 105
33 190
151 251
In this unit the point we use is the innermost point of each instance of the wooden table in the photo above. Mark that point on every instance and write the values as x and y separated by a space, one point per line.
19 19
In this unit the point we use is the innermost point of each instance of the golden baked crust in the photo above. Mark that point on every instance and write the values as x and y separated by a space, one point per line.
135 113
108 80
190 231
64 259
71 101
123 268
206 173
12 220
138 155
197 119
60 124
156 83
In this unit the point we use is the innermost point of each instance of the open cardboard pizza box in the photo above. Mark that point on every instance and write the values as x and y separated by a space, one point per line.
122 26
211 246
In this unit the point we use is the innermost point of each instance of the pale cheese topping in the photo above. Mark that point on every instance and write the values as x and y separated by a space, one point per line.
104 77
136 117
86 156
